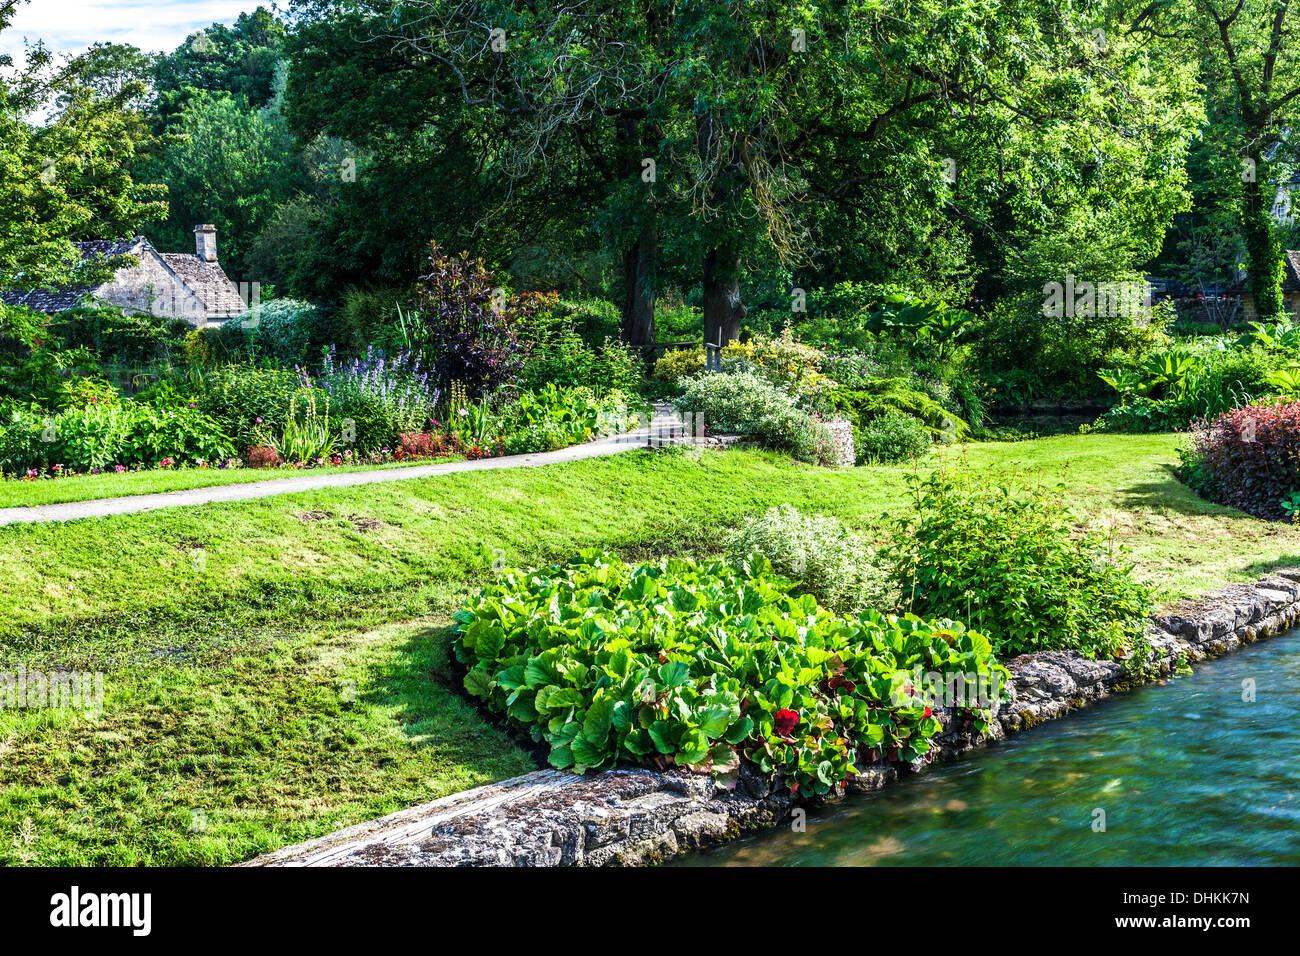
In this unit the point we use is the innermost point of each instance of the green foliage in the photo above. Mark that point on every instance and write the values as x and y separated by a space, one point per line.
560 355
377 398
802 435
553 417
677 364
880 397
893 436
783 360
281 330
732 402
104 434
1285 380
228 165
239 397
701 666
365 319
308 434
131 339
834 564
928 325
1017 566
240 59
1172 389
1274 336
70 177
1062 355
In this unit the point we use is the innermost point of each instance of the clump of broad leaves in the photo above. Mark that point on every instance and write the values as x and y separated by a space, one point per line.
701 665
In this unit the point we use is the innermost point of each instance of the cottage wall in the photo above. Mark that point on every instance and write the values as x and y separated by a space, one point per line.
150 287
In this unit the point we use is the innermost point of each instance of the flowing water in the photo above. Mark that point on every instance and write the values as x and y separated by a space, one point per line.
1186 772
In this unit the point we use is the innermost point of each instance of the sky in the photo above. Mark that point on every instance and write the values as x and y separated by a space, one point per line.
69 26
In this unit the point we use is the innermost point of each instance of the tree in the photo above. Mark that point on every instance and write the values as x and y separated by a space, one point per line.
69 179
240 59
1246 51
227 165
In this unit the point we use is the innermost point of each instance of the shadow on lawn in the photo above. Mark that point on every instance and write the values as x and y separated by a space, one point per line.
1171 494
423 684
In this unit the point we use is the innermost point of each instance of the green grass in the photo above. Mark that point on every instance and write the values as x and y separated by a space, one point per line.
275 669
18 492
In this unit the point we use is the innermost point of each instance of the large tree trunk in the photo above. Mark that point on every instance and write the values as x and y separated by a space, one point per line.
1263 250
638 305
639 259
723 310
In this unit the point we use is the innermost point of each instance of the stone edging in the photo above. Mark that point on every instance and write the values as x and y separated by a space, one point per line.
638 815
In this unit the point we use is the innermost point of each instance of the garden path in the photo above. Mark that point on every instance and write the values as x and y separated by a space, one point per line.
665 427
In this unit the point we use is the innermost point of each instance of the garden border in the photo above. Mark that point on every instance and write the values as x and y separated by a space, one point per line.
630 816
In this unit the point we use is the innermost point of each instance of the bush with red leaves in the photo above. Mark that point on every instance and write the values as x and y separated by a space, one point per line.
262 456
422 444
1248 458
429 444
472 330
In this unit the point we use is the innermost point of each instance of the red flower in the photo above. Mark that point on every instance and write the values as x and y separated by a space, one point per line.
786 721
928 712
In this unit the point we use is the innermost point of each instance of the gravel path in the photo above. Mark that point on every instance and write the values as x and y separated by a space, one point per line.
665 426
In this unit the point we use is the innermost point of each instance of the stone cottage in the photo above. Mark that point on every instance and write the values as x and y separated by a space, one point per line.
176 284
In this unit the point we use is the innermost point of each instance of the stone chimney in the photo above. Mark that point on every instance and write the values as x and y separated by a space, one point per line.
205 242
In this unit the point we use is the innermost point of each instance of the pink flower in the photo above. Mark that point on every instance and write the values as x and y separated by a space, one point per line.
119 468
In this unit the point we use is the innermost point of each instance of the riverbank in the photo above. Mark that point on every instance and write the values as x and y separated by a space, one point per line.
637 816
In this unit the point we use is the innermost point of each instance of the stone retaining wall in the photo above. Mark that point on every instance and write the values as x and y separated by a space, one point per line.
638 815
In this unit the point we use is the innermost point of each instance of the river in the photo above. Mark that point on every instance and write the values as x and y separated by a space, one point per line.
1186 773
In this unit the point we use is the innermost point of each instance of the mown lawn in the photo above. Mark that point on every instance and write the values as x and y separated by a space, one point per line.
275 669
20 493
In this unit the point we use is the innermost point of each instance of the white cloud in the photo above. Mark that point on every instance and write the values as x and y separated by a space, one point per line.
69 26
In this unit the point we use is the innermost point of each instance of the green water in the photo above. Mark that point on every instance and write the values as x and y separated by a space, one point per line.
1187 773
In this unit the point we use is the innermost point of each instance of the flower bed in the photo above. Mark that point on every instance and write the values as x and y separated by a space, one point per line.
703 666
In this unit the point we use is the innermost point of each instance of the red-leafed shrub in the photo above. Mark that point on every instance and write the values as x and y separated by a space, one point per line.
262 456
422 444
429 444
1248 458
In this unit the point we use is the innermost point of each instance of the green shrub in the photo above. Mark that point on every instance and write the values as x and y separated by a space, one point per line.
366 319
734 402
376 398
238 397
101 435
703 665
1017 567
281 330
879 397
782 359
1171 389
593 319
795 431
835 565
1064 353
560 355
890 437
677 364
309 433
